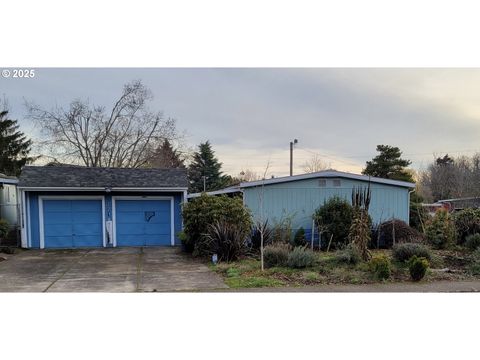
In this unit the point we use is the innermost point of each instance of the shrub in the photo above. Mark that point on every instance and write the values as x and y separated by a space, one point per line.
441 230
349 255
183 238
8 250
4 228
381 267
476 255
233 272
384 233
299 238
225 239
282 231
418 214
335 218
255 238
202 212
300 258
467 222
276 255
417 267
474 266
403 252
472 241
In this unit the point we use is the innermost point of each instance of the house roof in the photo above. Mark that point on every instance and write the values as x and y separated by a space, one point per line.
5 179
228 190
328 174
320 174
96 177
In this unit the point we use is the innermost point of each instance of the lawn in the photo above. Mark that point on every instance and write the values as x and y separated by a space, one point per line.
247 273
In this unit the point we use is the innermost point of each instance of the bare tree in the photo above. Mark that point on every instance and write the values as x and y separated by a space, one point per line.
315 164
248 175
449 177
88 134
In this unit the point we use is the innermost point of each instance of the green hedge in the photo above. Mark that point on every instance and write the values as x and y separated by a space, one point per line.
199 214
335 217
441 230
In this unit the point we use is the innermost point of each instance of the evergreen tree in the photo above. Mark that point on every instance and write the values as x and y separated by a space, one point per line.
389 164
14 146
166 157
205 164
444 161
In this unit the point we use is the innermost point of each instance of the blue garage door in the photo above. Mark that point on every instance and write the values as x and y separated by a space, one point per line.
143 222
72 223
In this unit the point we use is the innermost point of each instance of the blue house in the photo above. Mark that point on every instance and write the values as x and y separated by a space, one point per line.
76 207
297 197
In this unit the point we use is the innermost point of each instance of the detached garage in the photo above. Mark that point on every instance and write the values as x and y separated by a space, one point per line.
79 207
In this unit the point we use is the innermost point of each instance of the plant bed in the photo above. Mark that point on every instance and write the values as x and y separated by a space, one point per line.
329 268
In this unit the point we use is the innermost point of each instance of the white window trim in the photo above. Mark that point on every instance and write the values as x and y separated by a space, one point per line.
72 197
172 213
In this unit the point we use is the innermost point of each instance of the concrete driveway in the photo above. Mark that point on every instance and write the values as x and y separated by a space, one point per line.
106 270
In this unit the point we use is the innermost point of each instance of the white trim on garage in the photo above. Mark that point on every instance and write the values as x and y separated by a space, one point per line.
72 197
27 223
23 220
125 189
172 213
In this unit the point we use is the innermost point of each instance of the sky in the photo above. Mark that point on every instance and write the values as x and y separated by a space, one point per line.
250 115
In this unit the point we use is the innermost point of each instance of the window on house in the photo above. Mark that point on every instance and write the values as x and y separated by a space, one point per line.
322 182
336 182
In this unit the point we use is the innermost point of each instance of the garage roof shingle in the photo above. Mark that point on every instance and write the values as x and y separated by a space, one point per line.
79 176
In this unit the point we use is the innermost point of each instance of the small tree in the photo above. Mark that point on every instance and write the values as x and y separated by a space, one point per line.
14 146
263 223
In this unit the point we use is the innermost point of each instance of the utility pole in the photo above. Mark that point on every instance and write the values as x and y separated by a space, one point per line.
295 141
204 183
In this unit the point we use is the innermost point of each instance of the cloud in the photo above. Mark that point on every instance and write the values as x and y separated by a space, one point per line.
251 115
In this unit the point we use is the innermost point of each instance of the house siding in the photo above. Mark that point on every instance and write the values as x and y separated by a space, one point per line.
9 204
299 200
32 198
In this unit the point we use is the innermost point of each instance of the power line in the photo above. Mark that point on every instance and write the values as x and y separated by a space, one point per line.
329 157
371 156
